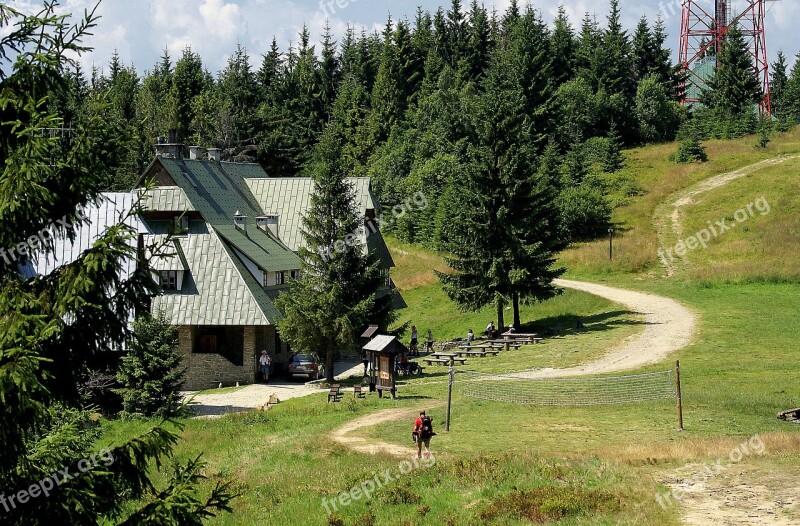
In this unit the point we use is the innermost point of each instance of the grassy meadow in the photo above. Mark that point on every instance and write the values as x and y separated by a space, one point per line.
510 464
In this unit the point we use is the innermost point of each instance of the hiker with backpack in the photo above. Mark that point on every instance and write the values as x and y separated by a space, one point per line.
423 431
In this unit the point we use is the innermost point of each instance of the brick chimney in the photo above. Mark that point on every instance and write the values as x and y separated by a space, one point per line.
170 147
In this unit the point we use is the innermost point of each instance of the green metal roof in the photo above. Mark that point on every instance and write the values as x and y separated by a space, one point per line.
168 255
218 191
218 289
290 198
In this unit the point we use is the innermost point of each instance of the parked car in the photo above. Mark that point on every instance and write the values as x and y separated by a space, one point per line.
305 364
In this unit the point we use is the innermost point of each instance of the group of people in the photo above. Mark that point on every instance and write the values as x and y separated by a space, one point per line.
413 349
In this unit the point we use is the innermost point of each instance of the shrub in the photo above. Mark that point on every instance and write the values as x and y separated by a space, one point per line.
151 372
690 151
764 132
585 212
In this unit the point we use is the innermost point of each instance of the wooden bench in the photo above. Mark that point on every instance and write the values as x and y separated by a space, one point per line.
481 354
519 335
433 361
334 394
357 392
521 338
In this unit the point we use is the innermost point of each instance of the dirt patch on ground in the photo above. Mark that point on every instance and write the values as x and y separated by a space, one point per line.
740 496
344 436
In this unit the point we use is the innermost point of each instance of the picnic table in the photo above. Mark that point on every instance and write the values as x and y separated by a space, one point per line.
444 355
482 354
445 361
532 337
488 345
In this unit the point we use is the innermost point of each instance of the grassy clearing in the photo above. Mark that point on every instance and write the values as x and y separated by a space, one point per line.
511 464
636 242
284 464
429 307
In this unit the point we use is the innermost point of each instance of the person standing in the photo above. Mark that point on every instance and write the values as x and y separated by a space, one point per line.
264 364
414 340
490 330
365 361
423 431
429 342
470 336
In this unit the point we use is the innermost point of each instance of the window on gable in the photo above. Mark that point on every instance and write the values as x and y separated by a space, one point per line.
280 278
181 225
169 279
295 274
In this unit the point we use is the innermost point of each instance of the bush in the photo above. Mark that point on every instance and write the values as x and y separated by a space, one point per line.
151 372
764 132
585 212
690 151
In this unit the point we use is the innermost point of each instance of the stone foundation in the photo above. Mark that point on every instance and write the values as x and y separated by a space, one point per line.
207 370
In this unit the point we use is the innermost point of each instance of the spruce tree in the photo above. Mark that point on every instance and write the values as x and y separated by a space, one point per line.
479 41
778 85
562 49
238 92
792 97
505 230
338 293
329 71
642 50
54 325
188 81
733 90
151 372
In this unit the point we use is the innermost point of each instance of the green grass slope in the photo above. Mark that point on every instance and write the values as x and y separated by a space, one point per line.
508 464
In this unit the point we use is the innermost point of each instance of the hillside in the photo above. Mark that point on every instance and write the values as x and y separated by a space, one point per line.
504 463
660 183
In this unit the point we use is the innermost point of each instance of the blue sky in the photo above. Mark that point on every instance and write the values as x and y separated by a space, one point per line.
140 29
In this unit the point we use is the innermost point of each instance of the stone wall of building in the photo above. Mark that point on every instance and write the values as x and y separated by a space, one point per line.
206 371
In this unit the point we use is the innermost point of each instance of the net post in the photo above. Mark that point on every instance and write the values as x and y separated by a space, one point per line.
451 374
678 392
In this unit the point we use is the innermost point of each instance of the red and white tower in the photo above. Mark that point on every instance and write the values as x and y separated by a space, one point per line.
702 34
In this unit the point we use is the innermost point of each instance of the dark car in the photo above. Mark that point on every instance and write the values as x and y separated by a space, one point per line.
305 364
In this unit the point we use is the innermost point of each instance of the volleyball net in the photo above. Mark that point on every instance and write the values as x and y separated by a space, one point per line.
573 391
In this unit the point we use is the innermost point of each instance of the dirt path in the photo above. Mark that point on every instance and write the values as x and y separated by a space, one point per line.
667 217
669 326
213 405
343 435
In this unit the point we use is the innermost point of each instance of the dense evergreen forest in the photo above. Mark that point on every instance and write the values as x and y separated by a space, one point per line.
414 106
